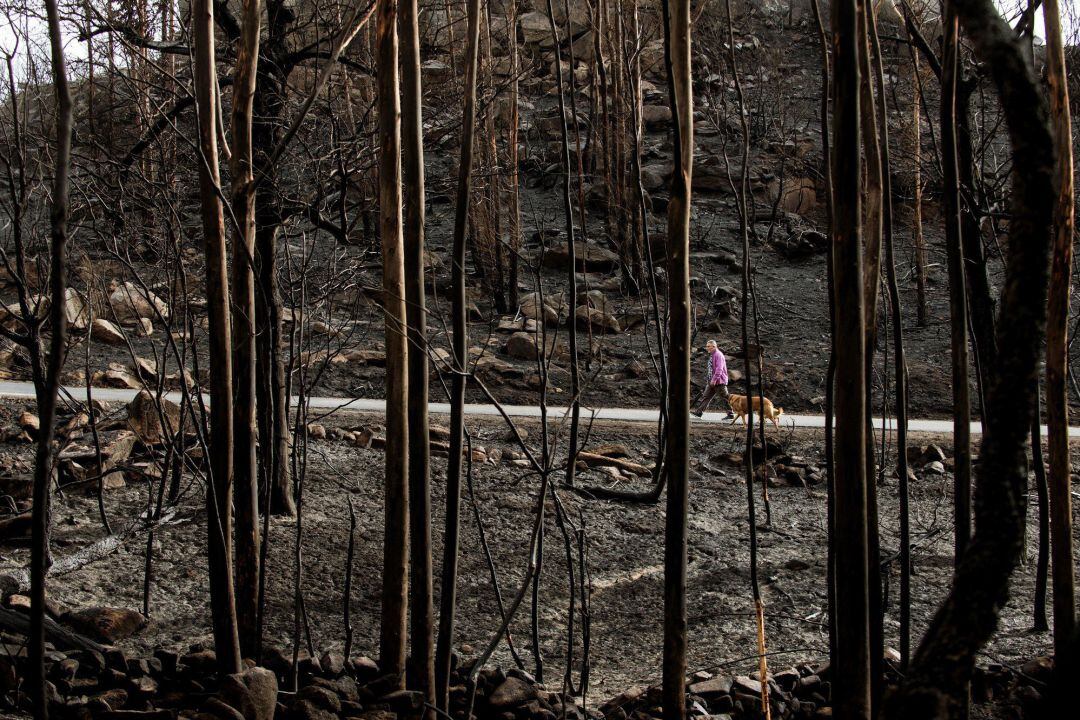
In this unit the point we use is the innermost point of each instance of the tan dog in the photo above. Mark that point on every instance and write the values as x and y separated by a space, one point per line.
738 406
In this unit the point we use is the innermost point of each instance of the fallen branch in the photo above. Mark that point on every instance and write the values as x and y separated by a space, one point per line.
17 622
593 460
100 549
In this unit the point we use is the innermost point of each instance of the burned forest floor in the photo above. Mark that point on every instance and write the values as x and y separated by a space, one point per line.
623 546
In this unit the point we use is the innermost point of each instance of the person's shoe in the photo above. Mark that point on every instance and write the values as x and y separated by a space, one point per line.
696 413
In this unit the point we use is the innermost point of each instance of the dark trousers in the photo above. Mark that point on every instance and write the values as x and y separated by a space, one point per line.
711 391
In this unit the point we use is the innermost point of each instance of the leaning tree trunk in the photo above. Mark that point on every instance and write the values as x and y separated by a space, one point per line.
43 456
937 681
422 632
271 390
245 484
396 511
219 479
680 94
459 347
851 686
1057 343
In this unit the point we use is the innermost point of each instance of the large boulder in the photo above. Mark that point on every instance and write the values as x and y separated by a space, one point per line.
588 257
535 28
552 311
512 693
655 177
105 624
106 331
597 320
252 693
131 302
799 196
656 116
145 415
596 299
76 310
521 345
117 376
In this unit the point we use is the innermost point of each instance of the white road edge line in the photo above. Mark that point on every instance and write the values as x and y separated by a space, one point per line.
25 390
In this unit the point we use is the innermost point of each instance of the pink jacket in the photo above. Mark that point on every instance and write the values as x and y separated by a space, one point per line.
718 368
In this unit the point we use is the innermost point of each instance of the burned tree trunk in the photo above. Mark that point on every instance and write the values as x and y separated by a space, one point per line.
571 262
219 479
422 632
677 461
459 347
43 456
271 388
1057 341
851 697
245 485
395 590
958 312
514 209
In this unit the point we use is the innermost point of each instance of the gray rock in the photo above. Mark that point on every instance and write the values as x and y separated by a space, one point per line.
105 624
253 693
512 693
713 687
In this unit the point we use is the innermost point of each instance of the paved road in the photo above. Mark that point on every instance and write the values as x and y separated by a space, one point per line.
12 389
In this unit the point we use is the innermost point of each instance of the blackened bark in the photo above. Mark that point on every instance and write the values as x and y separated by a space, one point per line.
958 312
219 479
1057 341
459 347
851 687
677 461
43 455
421 610
395 589
245 484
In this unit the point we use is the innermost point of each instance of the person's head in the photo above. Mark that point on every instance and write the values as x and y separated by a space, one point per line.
710 346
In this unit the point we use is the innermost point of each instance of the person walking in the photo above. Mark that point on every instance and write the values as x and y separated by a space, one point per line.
717 380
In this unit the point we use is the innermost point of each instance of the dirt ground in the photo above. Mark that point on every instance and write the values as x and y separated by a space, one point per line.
624 547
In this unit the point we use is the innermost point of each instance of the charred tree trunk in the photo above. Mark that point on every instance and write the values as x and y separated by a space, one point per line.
43 455
936 684
851 696
245 485
1057 341
900 368
459 347
677 461
916 212
958 312
219 481
1042 494
875 172
514 209
421 612
395 590
980 300
271 389
571 272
